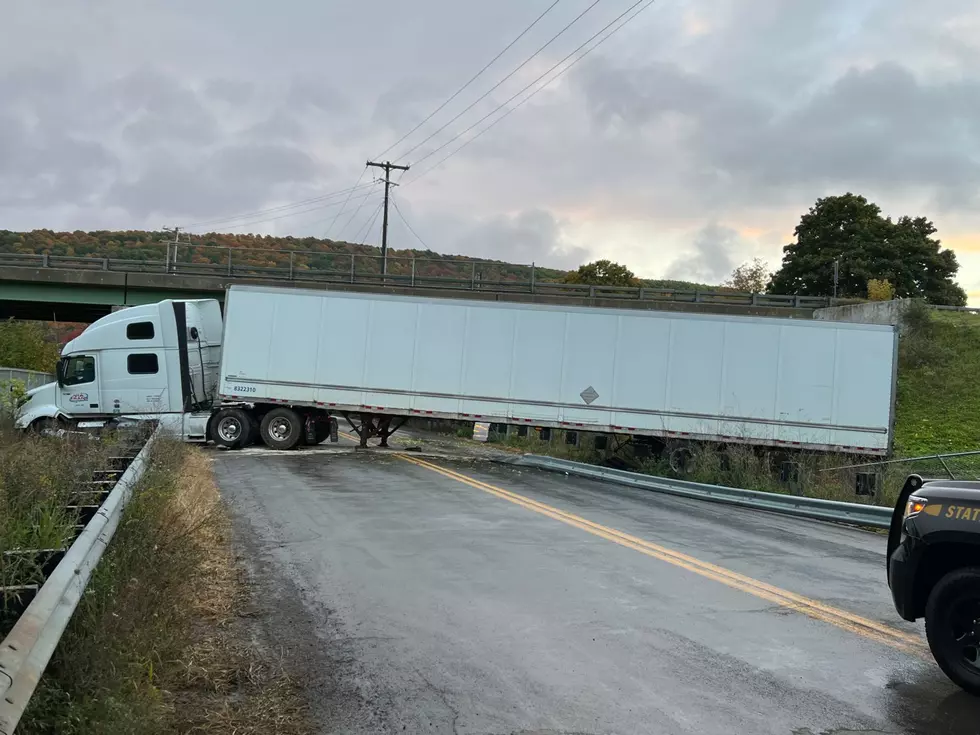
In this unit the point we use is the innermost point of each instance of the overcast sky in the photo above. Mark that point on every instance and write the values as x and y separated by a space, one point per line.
692 140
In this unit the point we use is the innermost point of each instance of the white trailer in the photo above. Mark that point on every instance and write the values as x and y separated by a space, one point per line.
291 360
776 382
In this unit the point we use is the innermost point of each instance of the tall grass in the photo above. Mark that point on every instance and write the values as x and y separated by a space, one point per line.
38 477
153 647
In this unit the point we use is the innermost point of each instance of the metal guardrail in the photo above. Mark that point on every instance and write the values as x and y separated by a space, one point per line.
813 508
417 273
27 649
30 378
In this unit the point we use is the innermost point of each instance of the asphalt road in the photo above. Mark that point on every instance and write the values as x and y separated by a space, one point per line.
436 594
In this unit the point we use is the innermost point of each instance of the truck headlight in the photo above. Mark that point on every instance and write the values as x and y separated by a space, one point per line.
915 506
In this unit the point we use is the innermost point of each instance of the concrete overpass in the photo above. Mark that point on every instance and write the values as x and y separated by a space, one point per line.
74 289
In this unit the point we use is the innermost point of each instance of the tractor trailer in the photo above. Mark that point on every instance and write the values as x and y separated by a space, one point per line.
281 365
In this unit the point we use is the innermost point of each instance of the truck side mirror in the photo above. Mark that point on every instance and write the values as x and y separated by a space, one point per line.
60 372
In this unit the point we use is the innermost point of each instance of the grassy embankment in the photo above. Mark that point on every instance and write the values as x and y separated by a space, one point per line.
158 643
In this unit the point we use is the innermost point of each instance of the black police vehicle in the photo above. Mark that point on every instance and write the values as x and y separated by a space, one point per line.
934 570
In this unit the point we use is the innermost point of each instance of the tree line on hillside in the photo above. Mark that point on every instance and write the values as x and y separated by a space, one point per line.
264 251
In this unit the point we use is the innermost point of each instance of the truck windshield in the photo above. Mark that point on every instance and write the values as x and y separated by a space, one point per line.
79 369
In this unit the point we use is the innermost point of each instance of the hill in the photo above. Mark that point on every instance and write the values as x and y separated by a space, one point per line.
938 406
269 251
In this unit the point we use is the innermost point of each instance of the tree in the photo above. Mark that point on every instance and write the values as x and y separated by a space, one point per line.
879 290
27 345
751 277
603 273
852 231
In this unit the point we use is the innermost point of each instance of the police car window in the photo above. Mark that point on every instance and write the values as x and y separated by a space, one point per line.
80 369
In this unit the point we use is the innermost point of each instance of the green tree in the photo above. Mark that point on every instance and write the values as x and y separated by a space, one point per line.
603 273
27 345
751 277
866 245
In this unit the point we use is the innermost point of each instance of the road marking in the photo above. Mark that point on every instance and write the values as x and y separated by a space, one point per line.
812 608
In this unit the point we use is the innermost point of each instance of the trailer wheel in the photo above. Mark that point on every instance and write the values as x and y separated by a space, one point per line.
281 428
953 627
230 428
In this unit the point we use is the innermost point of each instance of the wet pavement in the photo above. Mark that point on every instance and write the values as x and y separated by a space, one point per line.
441 594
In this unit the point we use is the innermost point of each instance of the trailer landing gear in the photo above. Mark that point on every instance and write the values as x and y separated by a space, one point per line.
372 425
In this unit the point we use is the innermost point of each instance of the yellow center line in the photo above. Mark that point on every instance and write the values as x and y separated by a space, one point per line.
805 605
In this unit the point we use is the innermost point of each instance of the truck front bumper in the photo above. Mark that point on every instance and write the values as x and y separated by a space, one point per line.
902 569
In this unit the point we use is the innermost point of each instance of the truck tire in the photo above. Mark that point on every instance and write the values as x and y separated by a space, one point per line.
953 627
230 428
282 428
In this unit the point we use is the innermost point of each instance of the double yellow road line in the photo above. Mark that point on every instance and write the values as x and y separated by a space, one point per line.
812 608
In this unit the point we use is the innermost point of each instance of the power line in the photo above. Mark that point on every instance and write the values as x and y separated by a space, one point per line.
282 216
334 220
363 231
319 222
343 229
645 4
280 208
495 86
471 80
409 226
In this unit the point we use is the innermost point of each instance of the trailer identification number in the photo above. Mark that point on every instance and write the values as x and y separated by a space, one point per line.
243 388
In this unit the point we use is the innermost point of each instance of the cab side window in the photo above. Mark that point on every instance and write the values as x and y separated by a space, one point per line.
139 330
146 364
79 369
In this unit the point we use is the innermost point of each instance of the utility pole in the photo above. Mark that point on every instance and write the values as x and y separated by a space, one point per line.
388 166
175 231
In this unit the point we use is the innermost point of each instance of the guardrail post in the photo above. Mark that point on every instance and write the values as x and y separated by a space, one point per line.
640 293
755 299
105 264
592 292
697 296
291 254
796 301
44 261
413 271
473 276
229 261
352 267
532 277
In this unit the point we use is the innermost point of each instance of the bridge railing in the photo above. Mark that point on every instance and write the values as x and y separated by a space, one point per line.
353 268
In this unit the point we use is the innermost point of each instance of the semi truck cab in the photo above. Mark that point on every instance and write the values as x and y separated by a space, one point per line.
934 570
147 361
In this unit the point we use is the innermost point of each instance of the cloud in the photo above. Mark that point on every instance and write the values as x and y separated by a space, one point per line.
700 120
711 257
234 179
42 168
526 237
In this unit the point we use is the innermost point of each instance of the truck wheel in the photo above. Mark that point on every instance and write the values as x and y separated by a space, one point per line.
281 428
953 627
230 428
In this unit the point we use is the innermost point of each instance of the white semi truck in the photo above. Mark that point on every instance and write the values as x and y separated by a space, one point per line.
284 363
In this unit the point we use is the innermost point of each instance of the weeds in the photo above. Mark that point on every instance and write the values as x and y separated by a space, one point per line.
153 646
37 477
